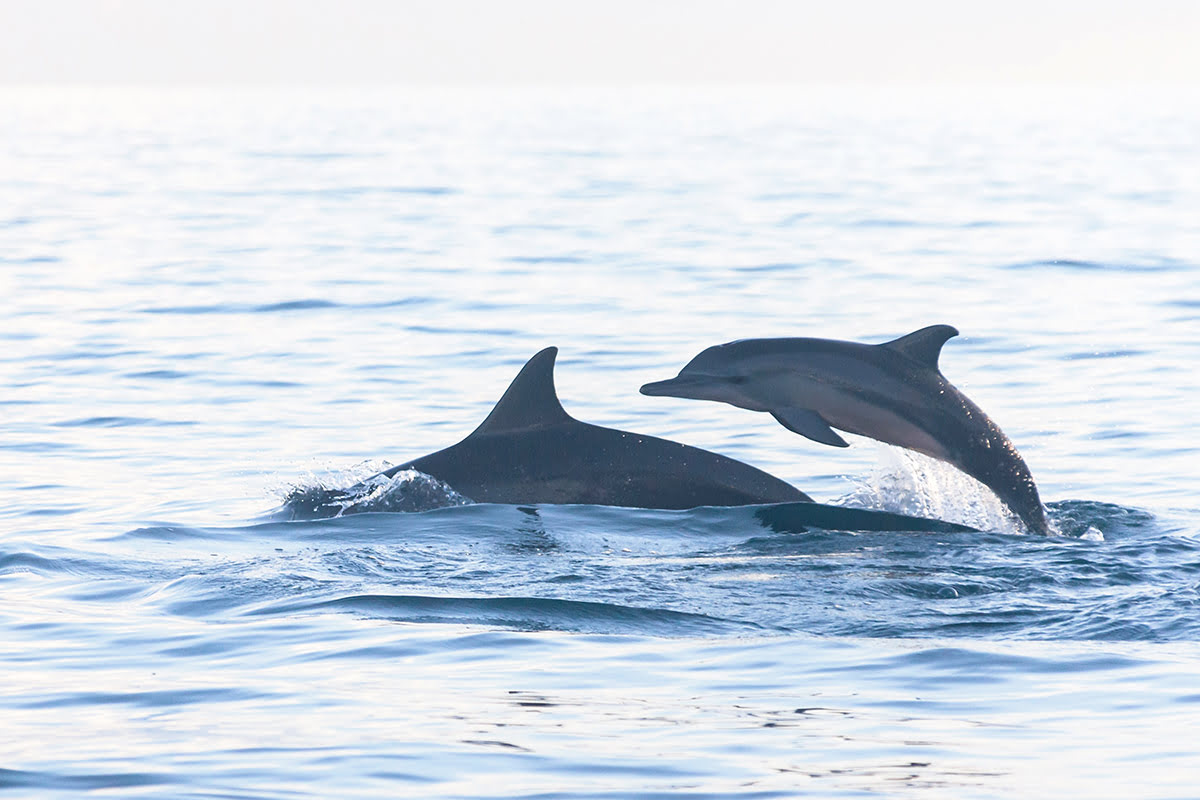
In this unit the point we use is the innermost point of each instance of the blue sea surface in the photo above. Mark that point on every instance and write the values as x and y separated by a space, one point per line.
212 299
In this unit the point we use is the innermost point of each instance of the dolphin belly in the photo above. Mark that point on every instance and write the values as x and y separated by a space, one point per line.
868 418
861 408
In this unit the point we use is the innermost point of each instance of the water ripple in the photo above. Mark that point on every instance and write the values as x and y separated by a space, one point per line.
99 781
526 613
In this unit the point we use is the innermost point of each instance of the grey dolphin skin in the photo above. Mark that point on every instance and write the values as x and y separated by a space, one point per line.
530 451
891 392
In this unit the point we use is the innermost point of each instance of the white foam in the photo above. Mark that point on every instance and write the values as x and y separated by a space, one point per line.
904 482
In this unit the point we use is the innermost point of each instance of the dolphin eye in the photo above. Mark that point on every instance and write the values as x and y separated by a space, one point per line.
737 379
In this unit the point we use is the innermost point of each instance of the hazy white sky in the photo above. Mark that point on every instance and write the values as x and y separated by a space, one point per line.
612 42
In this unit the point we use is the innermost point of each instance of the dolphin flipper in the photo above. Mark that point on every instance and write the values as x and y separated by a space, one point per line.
809 423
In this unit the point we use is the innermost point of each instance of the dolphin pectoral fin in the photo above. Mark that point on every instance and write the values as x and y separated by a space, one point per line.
809 423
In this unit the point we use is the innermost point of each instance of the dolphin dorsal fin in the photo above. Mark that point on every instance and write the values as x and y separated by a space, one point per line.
530 400
923 346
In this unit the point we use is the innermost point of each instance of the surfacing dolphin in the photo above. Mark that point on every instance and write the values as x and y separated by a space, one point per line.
530 451
891 392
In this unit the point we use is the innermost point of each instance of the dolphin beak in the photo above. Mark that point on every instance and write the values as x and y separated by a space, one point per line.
675 387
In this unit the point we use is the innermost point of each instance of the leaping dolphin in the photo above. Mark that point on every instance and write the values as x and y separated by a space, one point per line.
530 451
891 392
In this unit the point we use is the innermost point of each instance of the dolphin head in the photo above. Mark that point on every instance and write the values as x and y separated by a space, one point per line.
715 374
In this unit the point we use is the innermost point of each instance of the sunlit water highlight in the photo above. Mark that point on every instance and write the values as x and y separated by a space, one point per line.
212 299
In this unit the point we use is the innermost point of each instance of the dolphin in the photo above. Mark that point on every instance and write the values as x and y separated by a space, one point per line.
530 451
891 392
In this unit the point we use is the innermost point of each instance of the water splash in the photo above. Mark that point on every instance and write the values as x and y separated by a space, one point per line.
905 482
330 496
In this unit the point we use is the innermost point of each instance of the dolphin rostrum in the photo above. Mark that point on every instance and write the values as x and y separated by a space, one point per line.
891 392
530 451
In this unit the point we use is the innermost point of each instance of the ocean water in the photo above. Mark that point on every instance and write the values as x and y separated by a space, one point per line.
213 298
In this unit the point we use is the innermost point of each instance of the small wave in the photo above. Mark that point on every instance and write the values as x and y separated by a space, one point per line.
17 779
284 306
1089 355
1087 266
306 304
159 374
339 192
116 422
174 533
28 562
562 259
885 222
211 309
323 155
148 699
984 666
526 613
1079 518
39 446
296 305
781 267
92 354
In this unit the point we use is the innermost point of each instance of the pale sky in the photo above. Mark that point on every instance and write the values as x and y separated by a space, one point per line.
614 42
